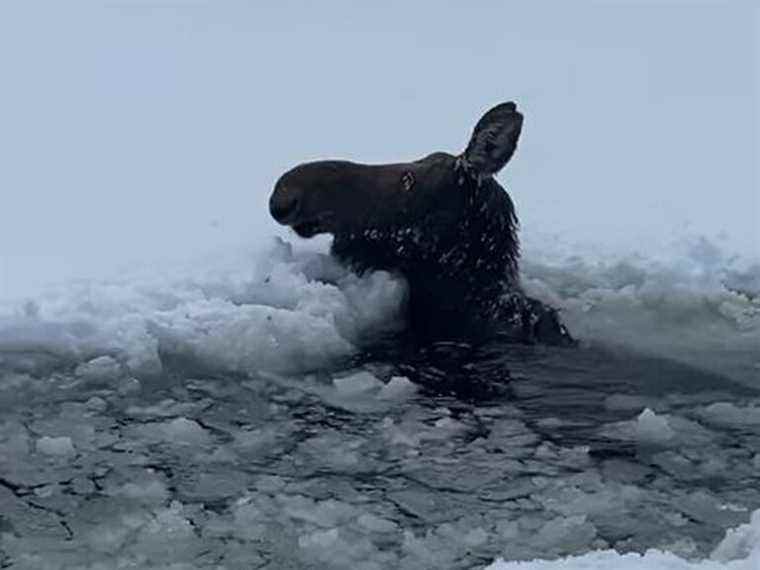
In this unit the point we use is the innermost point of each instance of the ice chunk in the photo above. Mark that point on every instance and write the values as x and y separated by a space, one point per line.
739 550
407 433
295 311
565 534
725 413
319 538
651 428
129 386
151 491
96 404
611 560
181 431
357 383
257 440
674 305
166 408
337 548
270 483
167 534
328 513
399 388
374 523
423 554
335 450
101 369
740 543
57 446
475 537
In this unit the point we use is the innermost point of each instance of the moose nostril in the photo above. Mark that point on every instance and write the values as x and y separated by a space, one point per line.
283 206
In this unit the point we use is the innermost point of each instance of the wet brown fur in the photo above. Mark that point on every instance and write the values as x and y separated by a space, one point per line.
447 226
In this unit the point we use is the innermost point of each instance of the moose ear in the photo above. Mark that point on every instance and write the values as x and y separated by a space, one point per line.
494 139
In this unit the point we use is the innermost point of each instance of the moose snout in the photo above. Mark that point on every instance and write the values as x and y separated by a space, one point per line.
284 204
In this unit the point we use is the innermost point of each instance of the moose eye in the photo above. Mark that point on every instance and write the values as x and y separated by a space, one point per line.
407 181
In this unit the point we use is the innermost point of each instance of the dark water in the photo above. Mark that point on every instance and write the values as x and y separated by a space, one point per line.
481 451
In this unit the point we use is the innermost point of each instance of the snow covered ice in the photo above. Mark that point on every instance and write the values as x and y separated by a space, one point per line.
225 416
739 550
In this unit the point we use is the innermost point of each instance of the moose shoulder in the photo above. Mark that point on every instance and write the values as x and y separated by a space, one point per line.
442 221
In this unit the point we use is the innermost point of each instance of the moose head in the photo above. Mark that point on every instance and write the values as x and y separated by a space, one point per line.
442 221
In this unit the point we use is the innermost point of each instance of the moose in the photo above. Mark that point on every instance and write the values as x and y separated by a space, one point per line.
442 221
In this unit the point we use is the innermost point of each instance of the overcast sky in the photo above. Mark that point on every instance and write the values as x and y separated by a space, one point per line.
145 130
